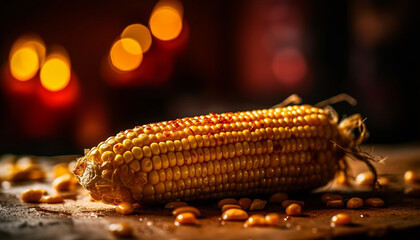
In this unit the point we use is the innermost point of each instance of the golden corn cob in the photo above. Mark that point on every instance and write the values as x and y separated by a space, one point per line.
215 156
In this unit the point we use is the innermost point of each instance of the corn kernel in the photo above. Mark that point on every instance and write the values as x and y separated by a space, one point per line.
135 165
227 201
234 214
124 208
229 206
137 152
293 209
374 202
121 230
32 195
340 219
184 209
186 218
245 203
355 202
277 198
258 204
63 183
286 203
52 199
146 165
60 169
272 219
255 220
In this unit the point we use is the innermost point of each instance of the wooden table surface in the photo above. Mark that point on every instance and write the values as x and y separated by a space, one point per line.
78 218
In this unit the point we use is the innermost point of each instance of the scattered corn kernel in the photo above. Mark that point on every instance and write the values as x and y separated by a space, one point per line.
410 177
340 219
190 209
330 196
335 203
257 204
355 203
186 218
125 208
255 220
229 206
365 178
374 202
60 169
52 199
32 195
121 229
173 205
413 191
277 198
272 219
286 203
293 209
226 201
63 183
245 203
234 214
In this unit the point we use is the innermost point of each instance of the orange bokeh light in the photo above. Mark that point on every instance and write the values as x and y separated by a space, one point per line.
56 71
126 54
140 33
26 56
289 66
166 20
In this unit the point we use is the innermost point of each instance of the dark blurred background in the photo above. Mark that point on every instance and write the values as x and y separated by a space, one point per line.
229 56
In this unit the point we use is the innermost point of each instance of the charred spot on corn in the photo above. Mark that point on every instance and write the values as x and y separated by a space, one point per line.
228 155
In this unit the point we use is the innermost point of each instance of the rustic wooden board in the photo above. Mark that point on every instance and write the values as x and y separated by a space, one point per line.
78 218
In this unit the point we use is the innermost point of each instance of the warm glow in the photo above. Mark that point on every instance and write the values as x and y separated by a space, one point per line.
166 21
140 33
55 73
126 54
26 56
289 66
24 63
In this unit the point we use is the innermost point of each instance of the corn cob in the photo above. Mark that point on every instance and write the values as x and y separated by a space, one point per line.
286 149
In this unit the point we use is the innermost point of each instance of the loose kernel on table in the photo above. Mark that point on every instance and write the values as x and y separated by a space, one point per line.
340 219
173 205
245 203
226 201
286 203
330 196
258 204
277 198
190 209
410 177
229 206
374 202
365 178
60 169
293 209
52 199
255 220
234 214
355 203
32 195
272 219
124 208
121 229
335 203
186 218
63 183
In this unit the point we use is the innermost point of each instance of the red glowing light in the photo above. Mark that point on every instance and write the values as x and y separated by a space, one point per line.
289 66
